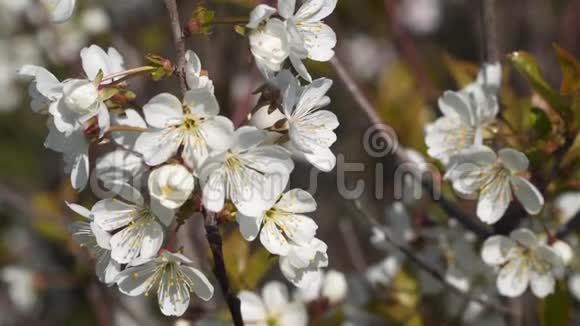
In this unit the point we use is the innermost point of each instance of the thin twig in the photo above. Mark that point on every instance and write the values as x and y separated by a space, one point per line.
431 270
448 206
179 42
219 268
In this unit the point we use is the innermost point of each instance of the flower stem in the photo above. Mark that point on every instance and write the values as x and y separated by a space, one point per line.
126 128
127 73
229 20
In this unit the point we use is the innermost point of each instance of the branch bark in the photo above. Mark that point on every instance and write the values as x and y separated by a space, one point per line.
178 41
489 29
219 268
469 222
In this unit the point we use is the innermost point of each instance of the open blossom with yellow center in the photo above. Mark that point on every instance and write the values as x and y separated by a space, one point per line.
139 232
170 277
310 129
466 115
193 124
494 176
249 174
283 225
523 259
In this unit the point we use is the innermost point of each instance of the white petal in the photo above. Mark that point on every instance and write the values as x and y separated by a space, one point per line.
80 171
296 201
294 314
490 76
494 200
214 191
453 104
44 81
131 118
107 269
542 285
111 214
60 10
315 10
513 160
247 137
249 226
564 251
81 210
201 102
286 8
513 278
525 238
158 146
103 238
165 215
259 14
163 110
133 281
152 240
252 308
528 195
273 240
335 286
275 295
201 285
495 249
300 67
323 159
574 285
319 40
94 58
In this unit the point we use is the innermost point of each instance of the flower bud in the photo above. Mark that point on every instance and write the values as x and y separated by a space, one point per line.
171 184
270 45
81 96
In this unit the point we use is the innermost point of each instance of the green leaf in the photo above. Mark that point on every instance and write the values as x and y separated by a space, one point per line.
240 29
555 309
527 65
541 122
570 71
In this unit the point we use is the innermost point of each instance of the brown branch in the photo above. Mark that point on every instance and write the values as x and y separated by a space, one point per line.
489 30
179 43
219 268
469 222
431 270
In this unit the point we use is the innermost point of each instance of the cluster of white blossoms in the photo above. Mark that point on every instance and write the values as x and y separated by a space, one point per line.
457 140
187 152
291 35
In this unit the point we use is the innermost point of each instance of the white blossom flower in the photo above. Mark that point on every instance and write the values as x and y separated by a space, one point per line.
81 98
310 129
302 265
574 285
59 10
199 129
283 224
269 43
248 174
523 259
495 177
171 276
302 35
273 308
171 184
193 73
89 235
331 286
310 37
19 283
466 114
139 229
